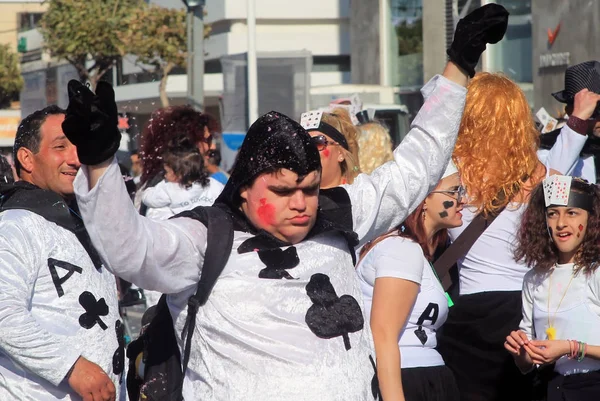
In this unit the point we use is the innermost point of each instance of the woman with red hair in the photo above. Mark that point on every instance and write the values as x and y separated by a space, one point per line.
496 157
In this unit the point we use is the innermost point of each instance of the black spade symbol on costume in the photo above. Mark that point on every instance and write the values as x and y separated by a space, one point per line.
119 355
421 335
331 316
93 310
277 261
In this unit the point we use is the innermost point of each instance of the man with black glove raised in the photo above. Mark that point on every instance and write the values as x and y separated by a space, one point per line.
267 332
59 318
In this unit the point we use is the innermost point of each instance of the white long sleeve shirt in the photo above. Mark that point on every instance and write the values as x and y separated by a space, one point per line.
256 338
571 306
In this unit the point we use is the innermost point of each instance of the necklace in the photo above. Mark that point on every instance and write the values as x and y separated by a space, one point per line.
551 331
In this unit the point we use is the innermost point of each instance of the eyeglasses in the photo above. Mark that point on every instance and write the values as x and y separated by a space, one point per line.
459 192
321 142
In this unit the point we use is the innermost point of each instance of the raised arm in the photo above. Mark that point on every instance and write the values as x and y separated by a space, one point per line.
162 256
564 154
382 200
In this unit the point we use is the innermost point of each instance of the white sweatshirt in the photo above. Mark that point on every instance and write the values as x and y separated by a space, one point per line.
167 199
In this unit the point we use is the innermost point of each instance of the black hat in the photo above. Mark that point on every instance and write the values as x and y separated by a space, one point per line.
581 76
273 142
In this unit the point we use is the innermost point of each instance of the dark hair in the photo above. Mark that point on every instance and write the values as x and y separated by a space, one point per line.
170 125
6 174
187 163
414 229
28 134
536 248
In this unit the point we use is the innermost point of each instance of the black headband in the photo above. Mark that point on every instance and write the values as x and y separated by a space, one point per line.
332 133
579 200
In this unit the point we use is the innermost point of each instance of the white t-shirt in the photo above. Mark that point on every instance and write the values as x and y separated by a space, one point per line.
403 258
490 265
571 306
167 199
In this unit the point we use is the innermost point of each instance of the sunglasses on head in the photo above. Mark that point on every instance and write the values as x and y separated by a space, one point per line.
321 142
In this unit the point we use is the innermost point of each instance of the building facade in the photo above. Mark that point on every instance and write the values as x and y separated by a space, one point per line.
15 16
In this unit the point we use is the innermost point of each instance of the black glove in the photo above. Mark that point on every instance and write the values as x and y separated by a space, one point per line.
91 123
484 25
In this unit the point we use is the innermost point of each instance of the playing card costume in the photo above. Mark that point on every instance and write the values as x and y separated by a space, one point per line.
282 322
57 301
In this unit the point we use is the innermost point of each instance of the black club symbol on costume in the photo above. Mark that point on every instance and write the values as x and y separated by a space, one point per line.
277 261
119 355
375 381
93 310
331 316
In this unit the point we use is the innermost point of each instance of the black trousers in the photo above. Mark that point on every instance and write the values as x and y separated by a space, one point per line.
579 387
472 345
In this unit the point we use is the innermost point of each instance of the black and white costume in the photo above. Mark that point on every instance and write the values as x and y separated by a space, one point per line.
403 258
56 303
283 322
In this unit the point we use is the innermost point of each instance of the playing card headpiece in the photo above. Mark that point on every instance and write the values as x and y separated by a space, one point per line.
557 192
311 121
273 142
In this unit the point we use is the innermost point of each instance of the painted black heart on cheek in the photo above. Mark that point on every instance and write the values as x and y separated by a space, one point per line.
448 204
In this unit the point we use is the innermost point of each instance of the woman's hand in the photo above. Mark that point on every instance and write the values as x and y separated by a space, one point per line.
547 351
515 343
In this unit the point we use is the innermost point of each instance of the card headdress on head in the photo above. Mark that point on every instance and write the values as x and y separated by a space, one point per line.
312 121
557 192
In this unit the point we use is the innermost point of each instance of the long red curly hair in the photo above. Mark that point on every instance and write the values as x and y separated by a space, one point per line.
497 142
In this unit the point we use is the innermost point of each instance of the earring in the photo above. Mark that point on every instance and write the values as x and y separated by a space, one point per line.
423 213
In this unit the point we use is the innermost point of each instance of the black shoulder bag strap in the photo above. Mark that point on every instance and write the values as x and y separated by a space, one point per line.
461 246
218 248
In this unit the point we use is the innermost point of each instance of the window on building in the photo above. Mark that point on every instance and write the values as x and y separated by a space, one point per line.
512 55
406 44
27 21
331 64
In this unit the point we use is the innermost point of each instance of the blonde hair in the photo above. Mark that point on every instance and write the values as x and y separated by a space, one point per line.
339 119
497 142
374 146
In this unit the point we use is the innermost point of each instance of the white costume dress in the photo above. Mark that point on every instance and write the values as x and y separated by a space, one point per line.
55 306
260 336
